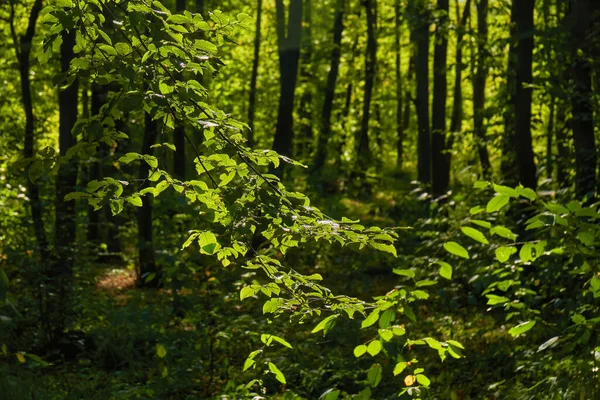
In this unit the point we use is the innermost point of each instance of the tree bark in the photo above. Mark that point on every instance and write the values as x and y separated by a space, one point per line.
288 45
399 89
550 140
523 94
146 257
305 112
479 81
254 77
581 100
439 183
323 141
363 151
421 37
65 228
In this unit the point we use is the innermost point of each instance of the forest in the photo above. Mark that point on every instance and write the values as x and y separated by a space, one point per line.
299 199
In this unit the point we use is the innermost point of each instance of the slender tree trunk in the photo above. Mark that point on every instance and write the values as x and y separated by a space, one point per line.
523 94
289 56
562 145
439 185
61 275
479 81
421 37
408 97
200 7
254 77
305 112
147 259
508 164
363 151
399 89
550 140
581 101
457 107
23 51
179 162
338 28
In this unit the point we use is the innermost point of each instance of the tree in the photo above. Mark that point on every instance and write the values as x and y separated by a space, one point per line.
523 17
479 81
399 89
325 134
254 76
305 111
439 183
363 152
179 162
581 100
288 45
421 38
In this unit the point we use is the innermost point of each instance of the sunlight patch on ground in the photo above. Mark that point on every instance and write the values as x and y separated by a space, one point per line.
115 280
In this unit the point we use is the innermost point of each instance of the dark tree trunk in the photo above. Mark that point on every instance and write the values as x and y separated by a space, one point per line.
323 141
550 140
439 183
563 127
363 152
305 112
581 101
408 97
457 108
147 259
479 81
179 163
254 77
23 50
200 7
289 56
421 37
508 166
61 275
523 94
399 89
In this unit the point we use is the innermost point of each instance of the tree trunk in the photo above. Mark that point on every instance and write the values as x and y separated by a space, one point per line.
399 89
338 27
61 275
421 37
363 152
508 164
146 257
457 108
408 97
479 81
439 183
581 101
179 163
289 54
23 51
550 140
305 112
563 127
254 77
523 94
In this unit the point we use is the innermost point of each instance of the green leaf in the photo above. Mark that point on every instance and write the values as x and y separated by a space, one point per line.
247 291
208 242
248 363
150 160
404 272
521 328
278 374
527 193
474 234
505 190
496 203
494 299
374 348
400 367
107 49
456 249
386 318
420 294
129 157
504 232
423 380
526 252
268 339
388 248
330 394
548 343
205 46
161 352
445 269
374 375
503 253
135 201
122 48
386 334
476 210
325 325
360 350
371 319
